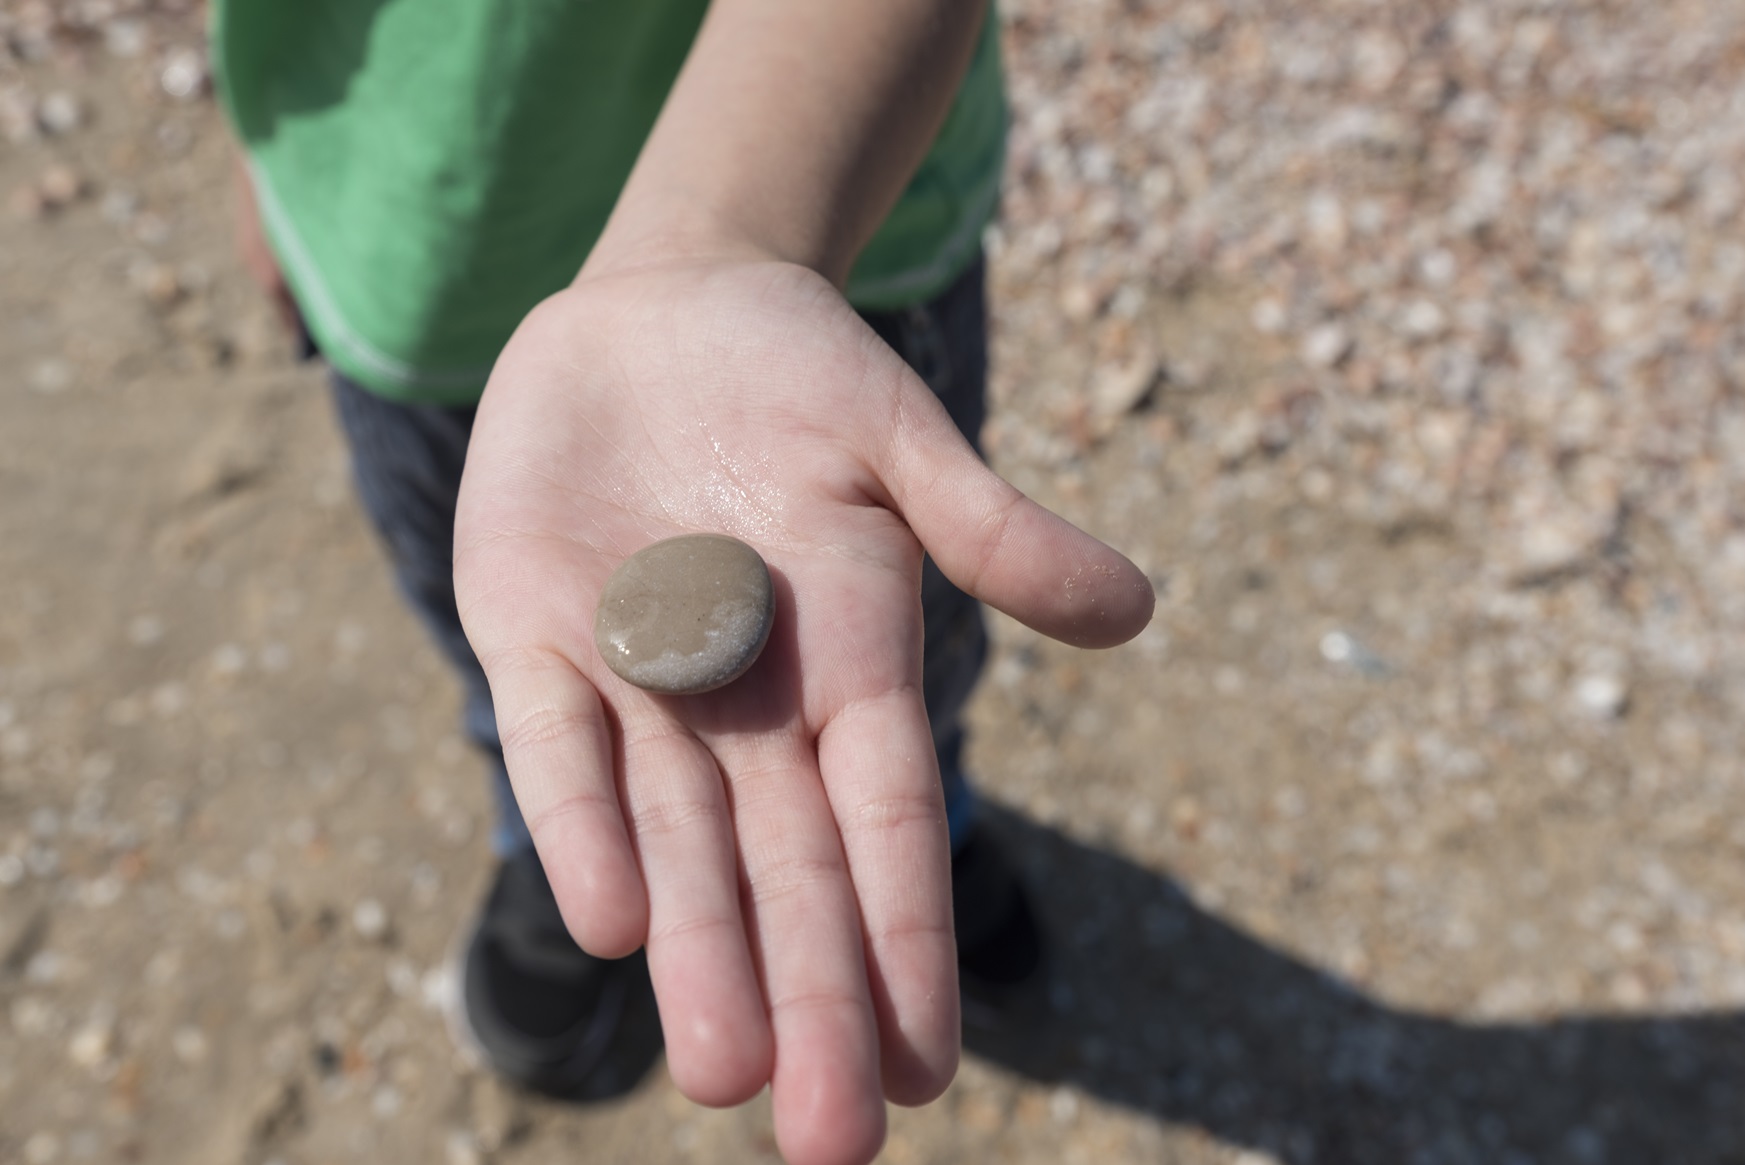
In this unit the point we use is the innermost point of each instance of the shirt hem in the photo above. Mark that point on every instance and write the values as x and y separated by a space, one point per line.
362 361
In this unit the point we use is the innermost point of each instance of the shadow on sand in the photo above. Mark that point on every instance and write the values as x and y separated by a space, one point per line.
1165 1009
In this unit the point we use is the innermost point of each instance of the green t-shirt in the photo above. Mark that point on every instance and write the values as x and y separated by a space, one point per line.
429 170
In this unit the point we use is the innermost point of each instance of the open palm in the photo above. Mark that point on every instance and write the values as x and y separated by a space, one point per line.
779 844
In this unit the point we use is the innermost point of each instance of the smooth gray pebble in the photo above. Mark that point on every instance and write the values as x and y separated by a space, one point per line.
686 615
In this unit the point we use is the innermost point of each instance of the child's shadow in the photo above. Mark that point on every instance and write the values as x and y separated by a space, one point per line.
1164 1008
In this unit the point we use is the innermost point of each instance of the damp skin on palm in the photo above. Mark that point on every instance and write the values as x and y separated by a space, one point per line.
687 615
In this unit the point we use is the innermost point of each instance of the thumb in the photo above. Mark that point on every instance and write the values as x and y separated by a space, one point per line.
1003 548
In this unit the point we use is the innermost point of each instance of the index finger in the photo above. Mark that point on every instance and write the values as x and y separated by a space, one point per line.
882 779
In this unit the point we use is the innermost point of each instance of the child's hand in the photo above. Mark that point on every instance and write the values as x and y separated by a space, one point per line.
257 254
779 844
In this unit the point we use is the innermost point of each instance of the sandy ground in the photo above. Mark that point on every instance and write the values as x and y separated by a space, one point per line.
1383 844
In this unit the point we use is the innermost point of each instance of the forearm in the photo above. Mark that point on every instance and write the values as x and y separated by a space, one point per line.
791 130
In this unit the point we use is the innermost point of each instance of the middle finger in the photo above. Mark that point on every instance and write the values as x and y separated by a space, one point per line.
804 925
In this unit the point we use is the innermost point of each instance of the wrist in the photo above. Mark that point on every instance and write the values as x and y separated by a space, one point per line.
643 236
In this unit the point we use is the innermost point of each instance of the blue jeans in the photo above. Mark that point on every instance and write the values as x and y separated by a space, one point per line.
406 461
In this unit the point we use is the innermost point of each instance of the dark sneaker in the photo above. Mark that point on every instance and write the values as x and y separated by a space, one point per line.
999 944
531 1003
